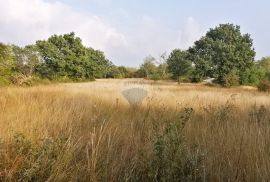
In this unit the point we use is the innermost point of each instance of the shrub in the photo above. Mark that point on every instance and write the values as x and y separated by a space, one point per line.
252 76
230 79
264 86
37 159
172 161
155 77
183 79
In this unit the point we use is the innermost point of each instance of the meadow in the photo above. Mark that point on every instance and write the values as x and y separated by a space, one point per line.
90 132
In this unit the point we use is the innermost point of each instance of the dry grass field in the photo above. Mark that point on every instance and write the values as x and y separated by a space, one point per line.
90 132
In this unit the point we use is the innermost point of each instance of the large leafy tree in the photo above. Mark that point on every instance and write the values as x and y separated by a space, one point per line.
223 53
57 56
100 64
64 56
179 64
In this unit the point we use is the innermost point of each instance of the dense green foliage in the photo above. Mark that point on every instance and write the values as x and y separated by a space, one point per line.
7 63
264 65
179 64
66 57
27 60
153 69
61 58
224 53
149 66
121 72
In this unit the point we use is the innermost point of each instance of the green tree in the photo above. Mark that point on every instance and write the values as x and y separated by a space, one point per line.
99 63
65 57
223 52
114 72
140 73
264 64
179 64
162 72
27 60
7 63
162 68
131 72
149 66
153 69
56 56
252 76
124 72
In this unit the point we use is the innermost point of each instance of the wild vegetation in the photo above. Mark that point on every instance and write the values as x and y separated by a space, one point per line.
224 54
89 132
60 58
151 129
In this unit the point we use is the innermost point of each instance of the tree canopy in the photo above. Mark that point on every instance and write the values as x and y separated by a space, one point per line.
61 58
65 56
264 65
223 53
7 63
179 64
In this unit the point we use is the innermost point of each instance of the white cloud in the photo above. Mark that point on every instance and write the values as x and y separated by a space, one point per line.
23 22
155 37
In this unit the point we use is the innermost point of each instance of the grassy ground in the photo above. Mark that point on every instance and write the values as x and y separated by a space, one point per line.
89 132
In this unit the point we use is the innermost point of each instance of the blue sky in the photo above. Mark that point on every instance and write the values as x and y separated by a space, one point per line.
129 30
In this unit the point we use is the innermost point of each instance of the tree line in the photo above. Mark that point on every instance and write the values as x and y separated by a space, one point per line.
224 54
60 58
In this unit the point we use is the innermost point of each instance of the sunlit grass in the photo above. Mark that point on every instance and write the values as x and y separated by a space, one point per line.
89 132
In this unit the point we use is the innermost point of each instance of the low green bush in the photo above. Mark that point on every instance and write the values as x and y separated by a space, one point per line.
172 161
183 79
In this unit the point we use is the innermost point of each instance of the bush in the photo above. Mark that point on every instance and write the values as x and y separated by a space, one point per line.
264 86
155 77
37 159
252 76
172 161
230 79
183 79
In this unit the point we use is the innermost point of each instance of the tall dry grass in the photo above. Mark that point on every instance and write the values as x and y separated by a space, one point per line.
88 132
